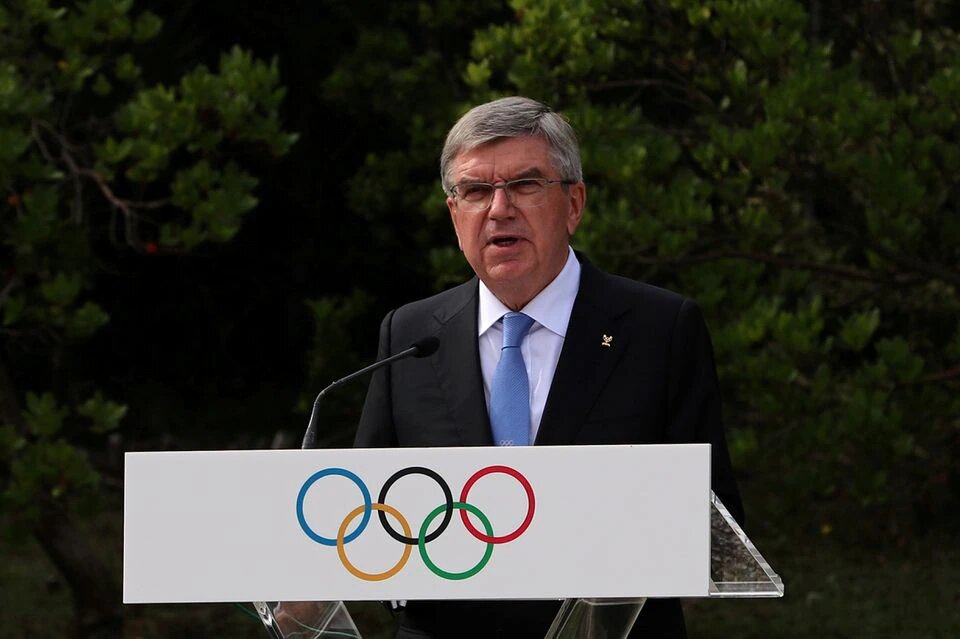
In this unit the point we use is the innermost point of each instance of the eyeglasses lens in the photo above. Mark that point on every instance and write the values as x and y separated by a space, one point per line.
520 193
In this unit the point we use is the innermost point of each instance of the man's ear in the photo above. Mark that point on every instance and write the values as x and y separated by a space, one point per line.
452 207
578 200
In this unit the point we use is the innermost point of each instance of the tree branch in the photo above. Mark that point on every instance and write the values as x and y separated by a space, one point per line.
641 83
12 284
942 376
126 207
932 271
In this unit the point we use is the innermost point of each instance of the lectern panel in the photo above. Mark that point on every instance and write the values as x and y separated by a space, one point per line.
456 523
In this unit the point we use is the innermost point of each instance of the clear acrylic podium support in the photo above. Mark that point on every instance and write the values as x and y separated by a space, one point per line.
595 618
306 620
737 570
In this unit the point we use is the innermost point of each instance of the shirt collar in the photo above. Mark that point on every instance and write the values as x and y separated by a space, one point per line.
551 307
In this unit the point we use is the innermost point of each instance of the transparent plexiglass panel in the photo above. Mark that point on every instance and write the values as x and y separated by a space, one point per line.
737 569
306 620
595 618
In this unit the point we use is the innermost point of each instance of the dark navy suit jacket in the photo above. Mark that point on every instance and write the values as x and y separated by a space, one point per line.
656 383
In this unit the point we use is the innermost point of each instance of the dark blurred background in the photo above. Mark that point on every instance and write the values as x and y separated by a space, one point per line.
791 165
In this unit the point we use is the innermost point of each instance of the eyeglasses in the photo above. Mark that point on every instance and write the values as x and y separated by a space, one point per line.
526 193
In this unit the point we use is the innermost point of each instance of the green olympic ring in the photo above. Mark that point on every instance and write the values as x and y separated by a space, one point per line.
434 568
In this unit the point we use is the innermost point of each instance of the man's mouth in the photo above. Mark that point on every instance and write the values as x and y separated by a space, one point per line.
504 241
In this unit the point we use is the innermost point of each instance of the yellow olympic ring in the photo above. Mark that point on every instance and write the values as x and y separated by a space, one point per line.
356 572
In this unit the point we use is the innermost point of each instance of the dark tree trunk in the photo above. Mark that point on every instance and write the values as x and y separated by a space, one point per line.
94 586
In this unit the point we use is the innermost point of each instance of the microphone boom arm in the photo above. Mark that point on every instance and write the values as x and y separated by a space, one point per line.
421 348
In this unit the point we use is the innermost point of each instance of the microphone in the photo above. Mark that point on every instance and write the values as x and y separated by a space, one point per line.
424 347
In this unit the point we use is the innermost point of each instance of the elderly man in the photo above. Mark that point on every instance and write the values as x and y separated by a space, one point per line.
541 347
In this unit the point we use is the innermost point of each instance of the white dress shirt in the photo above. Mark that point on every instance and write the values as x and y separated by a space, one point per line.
550 310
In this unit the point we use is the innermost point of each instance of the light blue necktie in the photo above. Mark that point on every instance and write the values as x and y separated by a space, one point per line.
510 390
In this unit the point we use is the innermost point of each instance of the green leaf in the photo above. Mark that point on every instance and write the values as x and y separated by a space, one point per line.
900 359
101 86
738 75
146 27
13 144
104 414
43 416
858 328
125 68
114 152
477 74
86 320
63 289
13 309
11 442
41 202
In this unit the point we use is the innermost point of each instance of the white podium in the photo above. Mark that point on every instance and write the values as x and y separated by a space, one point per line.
602 527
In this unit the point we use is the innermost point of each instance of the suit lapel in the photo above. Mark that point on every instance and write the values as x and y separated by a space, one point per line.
458 366
585 362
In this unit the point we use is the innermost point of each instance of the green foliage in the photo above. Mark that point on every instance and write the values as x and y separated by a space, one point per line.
45 471
94 164
42 416
413 53
798 177
858 328
799 192
104 414
53 475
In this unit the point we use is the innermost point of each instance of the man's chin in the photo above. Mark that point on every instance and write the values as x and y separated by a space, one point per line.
514 284
509 273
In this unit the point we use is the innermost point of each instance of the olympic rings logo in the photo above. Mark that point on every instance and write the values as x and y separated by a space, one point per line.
406 538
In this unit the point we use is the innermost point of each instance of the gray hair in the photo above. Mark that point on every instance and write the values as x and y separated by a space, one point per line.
513 117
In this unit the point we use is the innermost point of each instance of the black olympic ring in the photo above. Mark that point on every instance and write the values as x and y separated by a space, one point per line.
447 495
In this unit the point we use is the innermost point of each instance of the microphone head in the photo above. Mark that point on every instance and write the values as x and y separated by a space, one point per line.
426 346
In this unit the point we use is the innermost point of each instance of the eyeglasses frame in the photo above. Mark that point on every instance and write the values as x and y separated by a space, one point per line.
505 185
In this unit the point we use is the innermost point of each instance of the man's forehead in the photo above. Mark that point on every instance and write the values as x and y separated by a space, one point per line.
519 157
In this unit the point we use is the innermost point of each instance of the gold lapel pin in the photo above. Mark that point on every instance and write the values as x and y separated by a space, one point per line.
607 341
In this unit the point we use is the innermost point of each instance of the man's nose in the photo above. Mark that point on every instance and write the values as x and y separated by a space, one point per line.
500 205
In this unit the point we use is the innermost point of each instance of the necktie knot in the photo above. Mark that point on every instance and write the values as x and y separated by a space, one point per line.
515 328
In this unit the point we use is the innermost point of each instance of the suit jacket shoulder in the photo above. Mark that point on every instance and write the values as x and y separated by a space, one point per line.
434 401
427 316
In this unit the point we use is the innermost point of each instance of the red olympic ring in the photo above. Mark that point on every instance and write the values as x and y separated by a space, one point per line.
531 503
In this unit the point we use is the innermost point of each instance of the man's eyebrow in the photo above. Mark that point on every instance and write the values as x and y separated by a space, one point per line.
531 172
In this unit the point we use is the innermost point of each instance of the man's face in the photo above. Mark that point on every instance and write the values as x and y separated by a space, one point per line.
516 252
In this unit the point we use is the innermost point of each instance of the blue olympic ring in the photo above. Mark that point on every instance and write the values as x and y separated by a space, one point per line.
367 505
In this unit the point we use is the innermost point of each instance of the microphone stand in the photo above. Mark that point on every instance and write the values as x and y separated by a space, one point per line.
421 348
